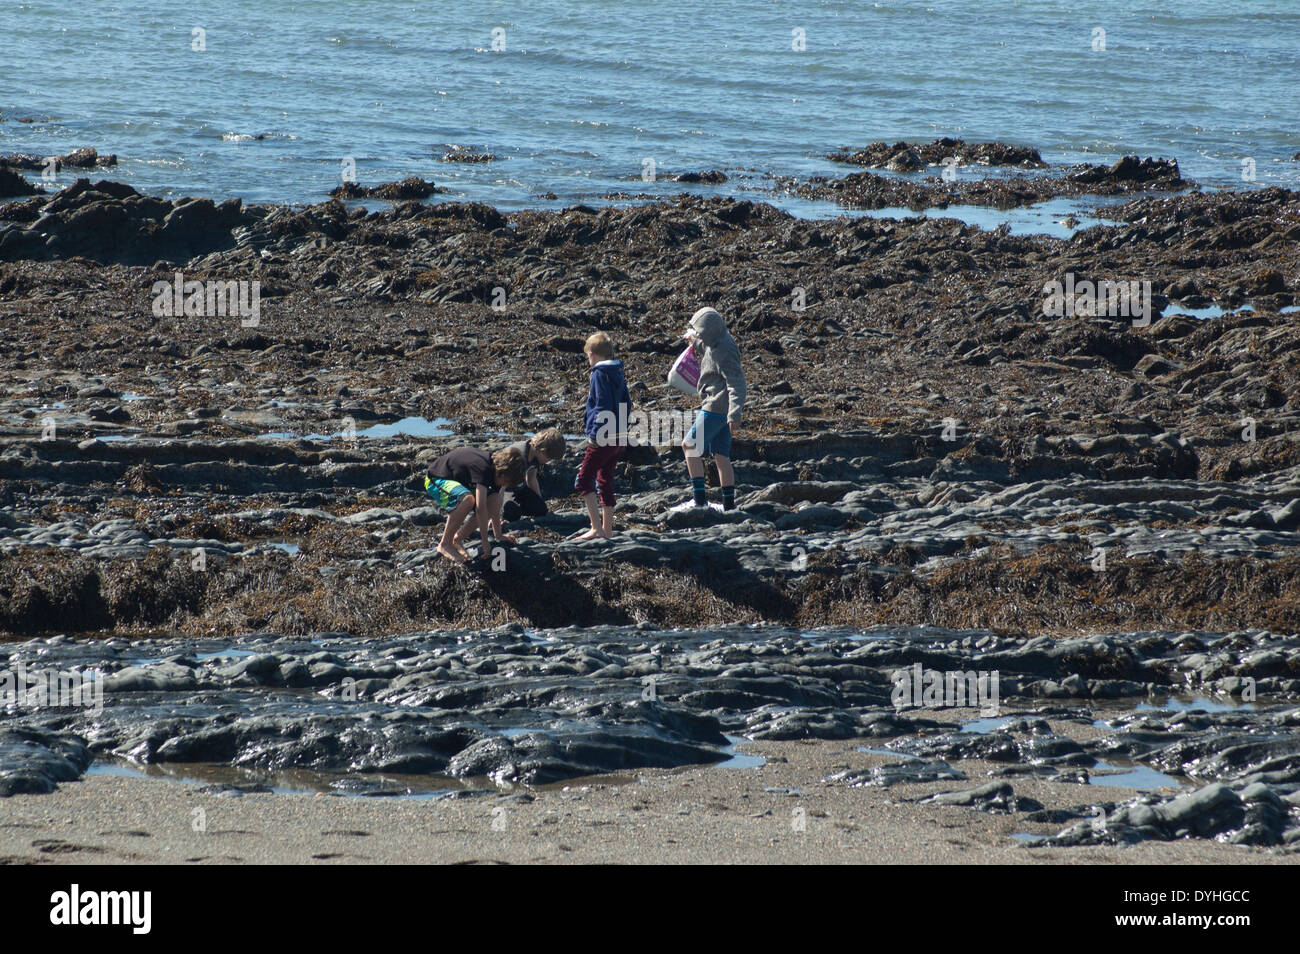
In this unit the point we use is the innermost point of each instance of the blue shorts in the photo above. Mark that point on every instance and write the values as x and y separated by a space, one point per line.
711 434
445 493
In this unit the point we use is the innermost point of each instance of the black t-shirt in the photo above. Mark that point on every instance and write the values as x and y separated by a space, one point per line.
467 466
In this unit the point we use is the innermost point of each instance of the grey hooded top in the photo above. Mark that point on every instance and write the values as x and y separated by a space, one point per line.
722 381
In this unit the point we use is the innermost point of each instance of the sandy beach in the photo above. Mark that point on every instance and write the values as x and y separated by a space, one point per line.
707 815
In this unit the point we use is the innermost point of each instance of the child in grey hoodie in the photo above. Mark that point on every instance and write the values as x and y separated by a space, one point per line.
722 394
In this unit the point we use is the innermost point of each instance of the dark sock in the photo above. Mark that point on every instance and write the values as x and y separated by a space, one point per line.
728 498
698 491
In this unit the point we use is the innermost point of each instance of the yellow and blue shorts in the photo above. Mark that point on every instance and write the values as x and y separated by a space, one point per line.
445 493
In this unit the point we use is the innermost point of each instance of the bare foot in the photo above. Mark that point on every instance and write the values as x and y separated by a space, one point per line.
456 555
592 534
507 538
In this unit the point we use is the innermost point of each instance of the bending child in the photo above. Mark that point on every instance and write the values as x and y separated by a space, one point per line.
448 483
722 392
525 500
608 407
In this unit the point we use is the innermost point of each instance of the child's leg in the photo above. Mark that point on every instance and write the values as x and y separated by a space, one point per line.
717 441
694 462
467 525
585 486
605 484
692 447
593 511
450 546
727 481
598 470
585 483
726 475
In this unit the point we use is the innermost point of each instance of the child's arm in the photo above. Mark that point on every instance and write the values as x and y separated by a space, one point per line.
531 480
481 515
497 522
729 364
494 515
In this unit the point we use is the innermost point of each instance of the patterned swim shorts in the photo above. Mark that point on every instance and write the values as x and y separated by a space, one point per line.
445 493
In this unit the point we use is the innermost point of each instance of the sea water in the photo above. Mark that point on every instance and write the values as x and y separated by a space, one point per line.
267 99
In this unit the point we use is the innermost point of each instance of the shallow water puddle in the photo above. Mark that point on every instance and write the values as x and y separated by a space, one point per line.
1043 218
985 726
1196 703
1026 838
295 782
738 759
200 776
406 427
1177 704
1132 775
1204 314
231 653
820 636
412 427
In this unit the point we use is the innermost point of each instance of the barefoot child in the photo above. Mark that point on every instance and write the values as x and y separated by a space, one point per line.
722 391
525 500
449 484
608 407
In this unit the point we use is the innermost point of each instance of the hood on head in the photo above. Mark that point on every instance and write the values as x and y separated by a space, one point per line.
708 326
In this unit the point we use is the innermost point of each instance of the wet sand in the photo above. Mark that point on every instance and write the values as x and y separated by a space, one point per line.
693 815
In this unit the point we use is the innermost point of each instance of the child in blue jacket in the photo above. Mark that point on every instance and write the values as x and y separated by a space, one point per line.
608 406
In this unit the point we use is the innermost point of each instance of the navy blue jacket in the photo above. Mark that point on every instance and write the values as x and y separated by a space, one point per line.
609 404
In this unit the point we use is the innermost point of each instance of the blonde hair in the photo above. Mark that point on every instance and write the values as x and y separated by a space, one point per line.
600 345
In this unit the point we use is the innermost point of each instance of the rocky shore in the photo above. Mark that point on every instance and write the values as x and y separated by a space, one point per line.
923 443
516 705
924 446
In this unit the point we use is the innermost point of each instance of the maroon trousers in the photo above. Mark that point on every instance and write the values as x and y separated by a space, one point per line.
597 471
